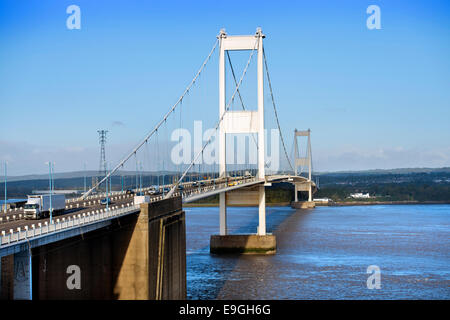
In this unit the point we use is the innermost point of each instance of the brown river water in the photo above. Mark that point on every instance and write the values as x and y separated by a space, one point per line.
324 253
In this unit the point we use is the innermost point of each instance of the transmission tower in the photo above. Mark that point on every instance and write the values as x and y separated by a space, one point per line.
102 140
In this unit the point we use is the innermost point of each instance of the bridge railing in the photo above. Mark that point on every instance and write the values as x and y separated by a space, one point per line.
218 186
63 224
72 221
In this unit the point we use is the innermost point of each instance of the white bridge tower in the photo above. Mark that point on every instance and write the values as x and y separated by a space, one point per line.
303 162
242 122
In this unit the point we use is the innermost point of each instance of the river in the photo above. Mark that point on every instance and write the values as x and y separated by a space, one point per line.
324 253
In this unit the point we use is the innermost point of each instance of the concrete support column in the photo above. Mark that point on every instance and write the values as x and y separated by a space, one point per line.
132 281
262 211
7 278
260 76
222 102
223 213
295 193
23 289
167 273
310 192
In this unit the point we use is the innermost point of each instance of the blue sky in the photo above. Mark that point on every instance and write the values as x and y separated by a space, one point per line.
372 98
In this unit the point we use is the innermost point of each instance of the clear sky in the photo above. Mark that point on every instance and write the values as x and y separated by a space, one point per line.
372 98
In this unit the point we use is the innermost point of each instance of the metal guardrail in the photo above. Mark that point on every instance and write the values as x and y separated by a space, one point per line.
119 195
219 186
97 196
65 223
69 222
82 219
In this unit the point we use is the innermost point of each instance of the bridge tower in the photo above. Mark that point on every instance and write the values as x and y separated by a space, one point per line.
303 162
242 122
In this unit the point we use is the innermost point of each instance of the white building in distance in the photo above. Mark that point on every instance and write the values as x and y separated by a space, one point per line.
360 195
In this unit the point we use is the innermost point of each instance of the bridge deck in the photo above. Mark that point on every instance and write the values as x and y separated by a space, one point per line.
89 217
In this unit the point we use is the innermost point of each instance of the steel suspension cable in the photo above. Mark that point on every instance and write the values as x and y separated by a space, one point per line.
275 110
239 93
217 125
242 104
158 125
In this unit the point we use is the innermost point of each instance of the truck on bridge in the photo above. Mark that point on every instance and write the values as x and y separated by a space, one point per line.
38 206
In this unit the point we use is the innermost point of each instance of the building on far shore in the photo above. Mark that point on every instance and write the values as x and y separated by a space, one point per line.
360 195
323 202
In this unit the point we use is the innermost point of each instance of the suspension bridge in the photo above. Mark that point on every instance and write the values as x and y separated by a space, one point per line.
142 233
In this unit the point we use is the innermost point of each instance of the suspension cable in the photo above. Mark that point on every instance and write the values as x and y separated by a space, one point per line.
217 125
275 109
239 93
243 107
158 125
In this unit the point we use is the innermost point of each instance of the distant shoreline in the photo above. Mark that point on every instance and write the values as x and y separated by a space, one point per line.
368 203
319 204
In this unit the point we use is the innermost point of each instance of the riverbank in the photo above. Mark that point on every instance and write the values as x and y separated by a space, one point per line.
322 204
369 203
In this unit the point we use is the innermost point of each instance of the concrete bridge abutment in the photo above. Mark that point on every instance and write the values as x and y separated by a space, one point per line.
303 187
139 256
243 244
259 243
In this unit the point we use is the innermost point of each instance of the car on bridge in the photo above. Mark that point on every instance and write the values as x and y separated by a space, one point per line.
105 201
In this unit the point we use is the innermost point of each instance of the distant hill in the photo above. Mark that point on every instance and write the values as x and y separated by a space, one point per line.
386 171
92 173
74 174
411 184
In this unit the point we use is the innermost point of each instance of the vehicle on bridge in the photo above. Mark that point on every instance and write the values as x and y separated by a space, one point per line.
154 190
129 191
38 206
105 201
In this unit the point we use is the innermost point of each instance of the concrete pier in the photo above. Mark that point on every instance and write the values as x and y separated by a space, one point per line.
243 244
303 204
